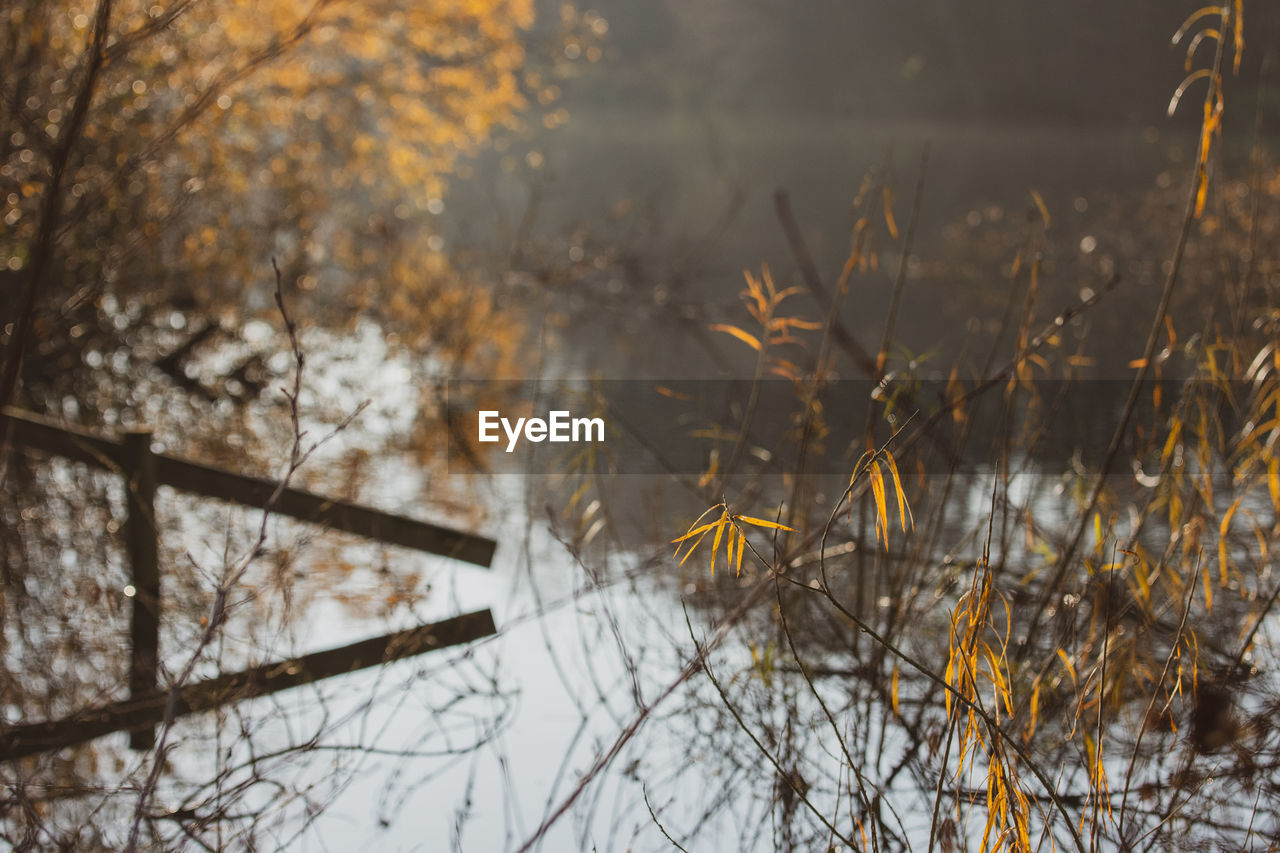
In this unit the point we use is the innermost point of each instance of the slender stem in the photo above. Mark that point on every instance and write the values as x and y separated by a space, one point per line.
1148 352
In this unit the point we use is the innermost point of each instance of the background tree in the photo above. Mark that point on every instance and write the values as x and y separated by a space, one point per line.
159 154
155 158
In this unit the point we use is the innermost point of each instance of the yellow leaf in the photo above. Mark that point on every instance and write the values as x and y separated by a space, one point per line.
1222 539
1264 428
877 492
893 690
1171 442
695 532
955 395
692 548
742 549
1206 33
1238 34
1071 670
904 509
675 395
755 292
748 339
888 213
712 469
715 542
786 369
997 681
1034 716
760 522
1202 12
1042 207
1144 583
733 535
1186 83
1024 837
577 496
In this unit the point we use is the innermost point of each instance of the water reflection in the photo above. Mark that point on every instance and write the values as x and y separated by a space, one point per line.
808 719
1080 668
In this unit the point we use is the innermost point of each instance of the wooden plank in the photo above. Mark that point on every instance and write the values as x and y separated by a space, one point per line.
336 514
215 483
141 545
149 709
74 444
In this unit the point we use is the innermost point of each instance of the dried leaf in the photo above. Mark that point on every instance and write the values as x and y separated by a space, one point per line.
1042 207
904 508
1182 88
1222 538
1202 12
748 339
760 522
888 213
715 542
877 493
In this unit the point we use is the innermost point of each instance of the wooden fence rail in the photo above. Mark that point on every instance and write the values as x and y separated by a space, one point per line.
144 471
35 432
148 708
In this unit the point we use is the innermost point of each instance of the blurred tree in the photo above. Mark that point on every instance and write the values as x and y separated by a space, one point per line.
158 154
155 157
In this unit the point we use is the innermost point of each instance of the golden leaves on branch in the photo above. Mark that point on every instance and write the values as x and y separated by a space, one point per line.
873 464
728 526
763 300
1230 18
726 523
284 114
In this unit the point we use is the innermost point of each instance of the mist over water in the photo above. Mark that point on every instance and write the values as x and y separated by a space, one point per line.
678 138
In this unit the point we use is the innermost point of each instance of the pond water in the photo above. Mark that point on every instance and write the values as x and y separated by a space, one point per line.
475 749
616 241
592 634
672 208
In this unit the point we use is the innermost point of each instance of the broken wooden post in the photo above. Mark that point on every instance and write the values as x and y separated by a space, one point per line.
139 469
143 471
184 475
155 706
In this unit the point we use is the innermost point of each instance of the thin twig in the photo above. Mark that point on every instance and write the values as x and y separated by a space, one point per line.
645 792
1148 353
1142 728
218 613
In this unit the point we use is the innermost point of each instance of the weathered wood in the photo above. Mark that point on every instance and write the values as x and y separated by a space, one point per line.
77 445
143 472
149 709
335 514
193 477
140 536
